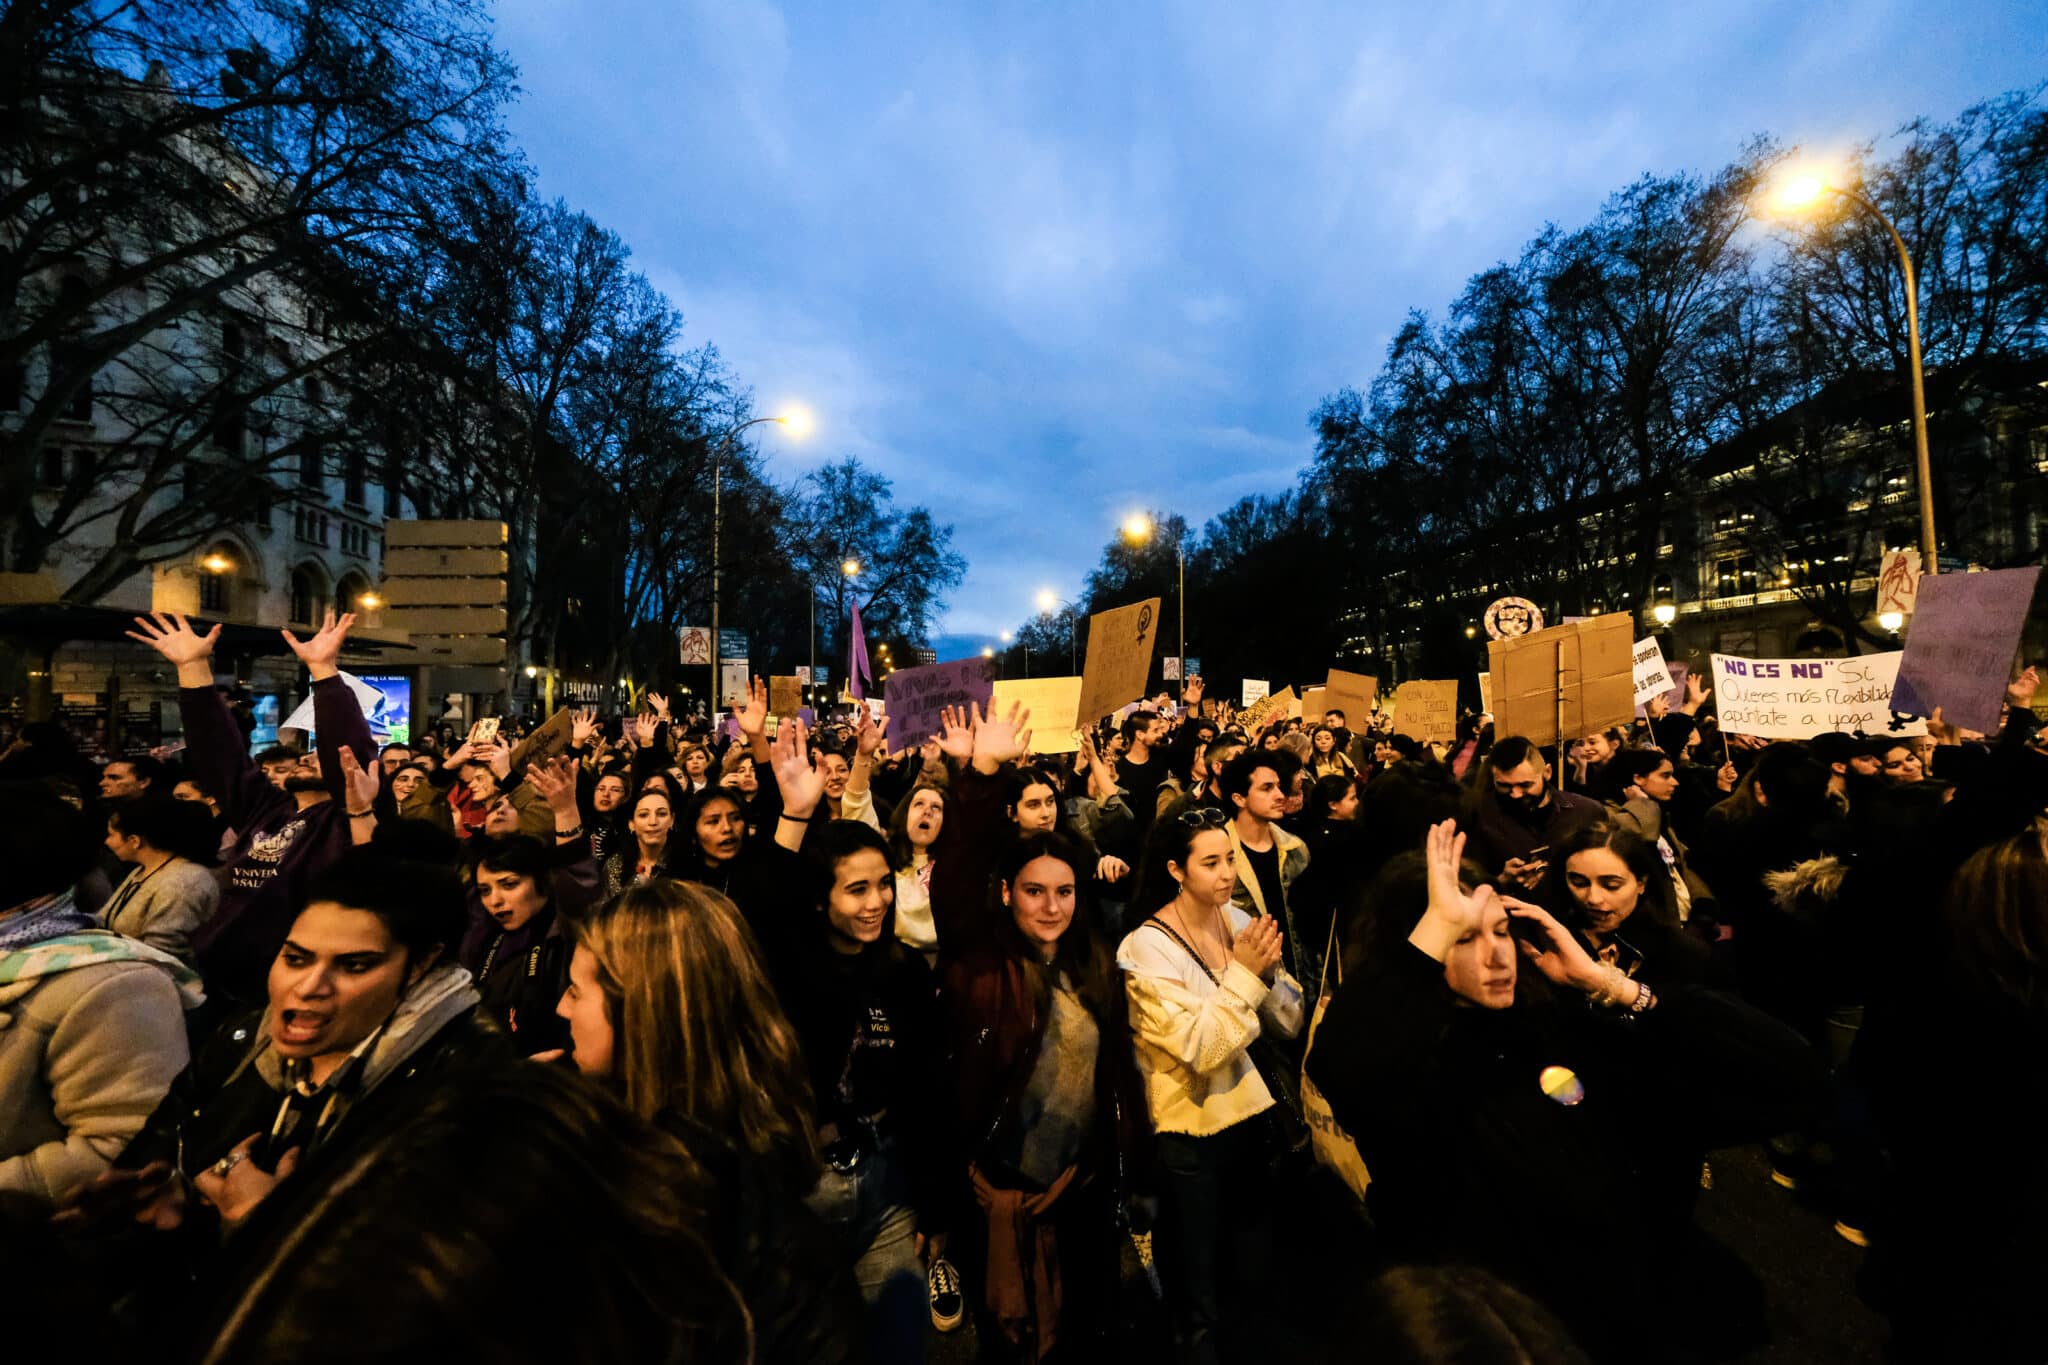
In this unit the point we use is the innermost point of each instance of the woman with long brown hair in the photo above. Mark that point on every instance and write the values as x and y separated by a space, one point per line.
669 1005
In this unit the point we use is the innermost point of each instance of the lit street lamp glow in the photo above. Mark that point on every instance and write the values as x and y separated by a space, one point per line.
1048 601
850 568
1665 613
1891 620
1137 528
1797 191
988 652
796 421
217 563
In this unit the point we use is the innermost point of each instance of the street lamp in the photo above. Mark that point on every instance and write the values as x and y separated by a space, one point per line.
1139 528
988 651
798 423
1665 612
1892 621
1049 602
1799 191
850 568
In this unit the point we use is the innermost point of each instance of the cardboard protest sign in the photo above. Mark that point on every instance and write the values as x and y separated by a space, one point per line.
1351 693
1575 680
1898 582
785 695
1486 693
916 696
1120 645
1427 711
1959 650
1652 678
550 740
1253 690
1052 702
1314 704
1267 710
1801 698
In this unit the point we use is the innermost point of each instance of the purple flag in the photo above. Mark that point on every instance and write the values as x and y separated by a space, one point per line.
858 678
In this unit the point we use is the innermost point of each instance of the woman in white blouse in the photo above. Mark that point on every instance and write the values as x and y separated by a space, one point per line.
1204 980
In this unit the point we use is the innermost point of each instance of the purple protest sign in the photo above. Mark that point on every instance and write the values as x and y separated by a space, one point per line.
916 696
1959 648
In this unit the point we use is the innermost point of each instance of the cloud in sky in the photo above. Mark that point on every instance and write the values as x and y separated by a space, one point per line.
1040 263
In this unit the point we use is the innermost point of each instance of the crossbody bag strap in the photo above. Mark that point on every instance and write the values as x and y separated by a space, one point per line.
1329 951
1163 927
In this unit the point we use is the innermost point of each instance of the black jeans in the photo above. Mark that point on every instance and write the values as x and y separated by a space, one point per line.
1216 1228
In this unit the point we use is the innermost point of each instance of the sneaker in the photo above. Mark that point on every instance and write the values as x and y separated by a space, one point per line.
947 1304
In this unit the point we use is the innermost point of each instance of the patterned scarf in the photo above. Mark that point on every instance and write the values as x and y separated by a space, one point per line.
45 917
53 935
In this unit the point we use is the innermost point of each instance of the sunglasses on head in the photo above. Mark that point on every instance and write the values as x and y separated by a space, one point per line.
1208 817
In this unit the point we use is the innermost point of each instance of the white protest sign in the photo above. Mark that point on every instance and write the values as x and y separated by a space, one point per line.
1254 689
1652 677
1801 698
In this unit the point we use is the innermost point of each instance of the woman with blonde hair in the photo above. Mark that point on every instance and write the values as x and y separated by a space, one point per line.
669 1006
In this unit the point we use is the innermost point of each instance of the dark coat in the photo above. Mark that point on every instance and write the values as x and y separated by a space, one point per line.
1472 1161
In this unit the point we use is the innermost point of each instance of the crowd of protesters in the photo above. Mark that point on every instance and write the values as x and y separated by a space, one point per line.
628 1039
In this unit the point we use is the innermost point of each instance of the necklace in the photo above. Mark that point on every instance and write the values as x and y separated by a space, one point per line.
1202 941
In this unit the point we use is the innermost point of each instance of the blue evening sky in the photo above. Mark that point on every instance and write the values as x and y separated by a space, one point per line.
1041 263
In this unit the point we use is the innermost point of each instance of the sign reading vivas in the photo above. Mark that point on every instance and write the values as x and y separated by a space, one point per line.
916 696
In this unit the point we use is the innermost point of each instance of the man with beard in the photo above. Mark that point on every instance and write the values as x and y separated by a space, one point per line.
1514 818
284 837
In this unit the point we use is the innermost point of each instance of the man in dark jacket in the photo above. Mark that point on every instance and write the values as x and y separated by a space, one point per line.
1516 816
283 838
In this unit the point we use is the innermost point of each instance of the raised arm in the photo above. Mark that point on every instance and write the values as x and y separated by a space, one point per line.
213 742
800 784
337 718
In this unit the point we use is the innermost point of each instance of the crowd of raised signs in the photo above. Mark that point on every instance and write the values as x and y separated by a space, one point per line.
626 1040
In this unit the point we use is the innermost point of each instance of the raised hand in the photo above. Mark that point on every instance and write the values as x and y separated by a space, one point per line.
1192 693
555 782
801 784
1696 694
173 637
753 717
582 726
997 738
869 733
1453 911
956 734
320 653
659 701
358 784
643 730
498 757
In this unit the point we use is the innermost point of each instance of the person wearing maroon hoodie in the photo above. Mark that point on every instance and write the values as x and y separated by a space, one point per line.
283 838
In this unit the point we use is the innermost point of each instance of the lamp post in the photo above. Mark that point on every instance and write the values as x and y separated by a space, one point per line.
798 422
851 569
1800 191
1049 602
1139 528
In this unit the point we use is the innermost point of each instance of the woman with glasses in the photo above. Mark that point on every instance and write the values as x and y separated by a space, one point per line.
1203 983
